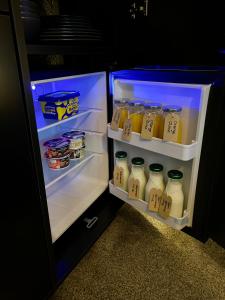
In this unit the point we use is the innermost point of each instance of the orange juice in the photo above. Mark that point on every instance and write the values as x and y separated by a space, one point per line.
136 119
155 108
135 113
179 138
123 116
157 132
176 110
122 106
161 127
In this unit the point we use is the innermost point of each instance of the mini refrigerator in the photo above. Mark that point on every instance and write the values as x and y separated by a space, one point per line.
59 214
71 191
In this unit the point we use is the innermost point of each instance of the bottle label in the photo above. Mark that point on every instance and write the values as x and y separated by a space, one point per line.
171 127
116 119
165 206
118 177
127 130
133 189
155 197
148 126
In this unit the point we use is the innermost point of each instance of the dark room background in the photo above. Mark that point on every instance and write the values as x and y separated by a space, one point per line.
173 32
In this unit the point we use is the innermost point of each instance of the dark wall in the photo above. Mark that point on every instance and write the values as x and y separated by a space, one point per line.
182 32
187 31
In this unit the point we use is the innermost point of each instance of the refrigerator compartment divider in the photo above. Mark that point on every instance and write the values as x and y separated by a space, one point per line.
176 223
178 151
52 176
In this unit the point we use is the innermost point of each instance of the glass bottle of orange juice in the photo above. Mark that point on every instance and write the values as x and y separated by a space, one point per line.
173 110
122 105
156 109
135 114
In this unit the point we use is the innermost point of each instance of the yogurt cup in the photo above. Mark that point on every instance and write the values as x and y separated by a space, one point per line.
57 148
77 153
58 163
76 138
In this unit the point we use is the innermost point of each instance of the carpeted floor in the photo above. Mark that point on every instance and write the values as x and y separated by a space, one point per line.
140 258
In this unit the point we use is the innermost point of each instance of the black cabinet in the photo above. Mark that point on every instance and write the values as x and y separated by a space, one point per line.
26 260
4 5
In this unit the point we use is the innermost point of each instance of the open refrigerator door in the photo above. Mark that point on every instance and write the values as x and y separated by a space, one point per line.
183 156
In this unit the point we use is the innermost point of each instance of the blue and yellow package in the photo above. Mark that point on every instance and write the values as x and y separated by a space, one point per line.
59 105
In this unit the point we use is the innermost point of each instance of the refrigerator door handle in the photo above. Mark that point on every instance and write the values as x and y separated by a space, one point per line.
90 222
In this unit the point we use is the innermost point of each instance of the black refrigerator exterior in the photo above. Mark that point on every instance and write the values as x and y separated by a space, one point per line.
32 266
27 270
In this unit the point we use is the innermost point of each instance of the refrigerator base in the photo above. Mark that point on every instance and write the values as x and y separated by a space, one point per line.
77 240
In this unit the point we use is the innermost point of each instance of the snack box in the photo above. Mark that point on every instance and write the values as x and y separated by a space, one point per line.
59 105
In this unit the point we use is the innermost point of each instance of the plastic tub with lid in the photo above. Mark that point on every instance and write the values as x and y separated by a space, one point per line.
76 138
59 105
57 148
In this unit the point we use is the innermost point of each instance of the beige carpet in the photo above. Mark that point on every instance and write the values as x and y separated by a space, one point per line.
140 258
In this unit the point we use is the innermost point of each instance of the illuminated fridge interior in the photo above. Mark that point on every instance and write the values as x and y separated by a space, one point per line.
72 190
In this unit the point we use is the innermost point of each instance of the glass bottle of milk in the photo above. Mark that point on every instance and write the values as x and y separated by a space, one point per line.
155 180
121 162
137 172
174 190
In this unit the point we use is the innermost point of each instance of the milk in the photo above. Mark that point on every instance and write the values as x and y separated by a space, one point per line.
174 190
137 172
122 163
155 181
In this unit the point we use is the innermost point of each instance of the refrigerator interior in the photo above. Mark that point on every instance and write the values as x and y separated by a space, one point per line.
70 191
184 157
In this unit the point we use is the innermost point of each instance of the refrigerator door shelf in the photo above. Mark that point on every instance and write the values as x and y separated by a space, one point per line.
178 151
176 223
